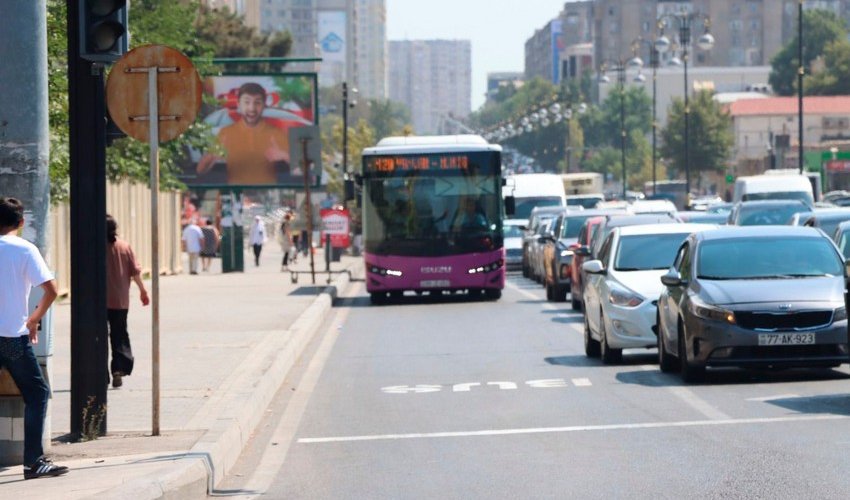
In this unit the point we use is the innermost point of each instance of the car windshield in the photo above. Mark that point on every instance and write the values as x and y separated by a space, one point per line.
572 226
780 195
524 206
767 258
583 202
830 224
770 215
647 251
512 231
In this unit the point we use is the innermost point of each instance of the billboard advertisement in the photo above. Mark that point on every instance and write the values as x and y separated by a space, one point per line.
251 121
332 46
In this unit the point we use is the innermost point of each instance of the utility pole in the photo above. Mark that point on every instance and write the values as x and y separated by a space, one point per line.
24 152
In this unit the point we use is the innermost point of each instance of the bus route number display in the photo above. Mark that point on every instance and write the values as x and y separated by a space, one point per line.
391 164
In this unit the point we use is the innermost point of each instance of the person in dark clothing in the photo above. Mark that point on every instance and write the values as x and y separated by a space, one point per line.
121 269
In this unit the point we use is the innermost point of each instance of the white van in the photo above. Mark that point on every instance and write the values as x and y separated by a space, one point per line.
534 190
774 187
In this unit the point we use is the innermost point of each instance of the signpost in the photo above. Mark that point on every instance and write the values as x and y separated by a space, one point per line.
154 109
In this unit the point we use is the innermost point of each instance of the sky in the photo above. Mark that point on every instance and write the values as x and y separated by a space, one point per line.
497 29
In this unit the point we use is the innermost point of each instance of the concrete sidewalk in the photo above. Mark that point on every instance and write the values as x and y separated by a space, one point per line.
227 343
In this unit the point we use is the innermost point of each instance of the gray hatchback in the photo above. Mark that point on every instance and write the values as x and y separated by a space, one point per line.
770 296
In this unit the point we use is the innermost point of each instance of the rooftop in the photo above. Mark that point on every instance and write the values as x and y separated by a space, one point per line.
773 106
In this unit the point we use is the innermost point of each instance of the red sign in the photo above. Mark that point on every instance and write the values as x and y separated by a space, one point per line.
838 166
335 223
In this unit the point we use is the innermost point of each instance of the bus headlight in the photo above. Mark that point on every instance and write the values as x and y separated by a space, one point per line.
384 272
486 269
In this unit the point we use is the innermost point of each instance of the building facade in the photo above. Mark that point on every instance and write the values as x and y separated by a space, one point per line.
433 78
551 49
349 36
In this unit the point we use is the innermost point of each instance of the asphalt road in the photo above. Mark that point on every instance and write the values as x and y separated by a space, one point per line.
468 399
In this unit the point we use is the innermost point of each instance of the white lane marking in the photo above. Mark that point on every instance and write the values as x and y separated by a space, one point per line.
277 449
415 389
547 383
576 428
771 398
503 385
691 399
581 382
465 387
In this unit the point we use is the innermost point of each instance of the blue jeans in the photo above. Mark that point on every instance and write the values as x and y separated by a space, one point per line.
17 356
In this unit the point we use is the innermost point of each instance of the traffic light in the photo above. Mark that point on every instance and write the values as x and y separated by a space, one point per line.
103 30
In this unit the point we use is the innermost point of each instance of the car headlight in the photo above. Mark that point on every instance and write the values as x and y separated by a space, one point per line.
624 298
705 311
840 314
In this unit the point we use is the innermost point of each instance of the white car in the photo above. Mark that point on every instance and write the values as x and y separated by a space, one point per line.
623 285
513 243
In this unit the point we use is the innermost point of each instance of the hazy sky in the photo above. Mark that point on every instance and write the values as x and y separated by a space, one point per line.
498 29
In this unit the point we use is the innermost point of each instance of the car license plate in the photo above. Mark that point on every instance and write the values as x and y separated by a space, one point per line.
786 338
435 283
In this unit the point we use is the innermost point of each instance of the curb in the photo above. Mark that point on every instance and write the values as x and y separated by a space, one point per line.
195 473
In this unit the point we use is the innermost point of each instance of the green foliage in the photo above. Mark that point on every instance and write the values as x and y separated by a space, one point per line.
57 106
834 79
820 29
710 139
387 118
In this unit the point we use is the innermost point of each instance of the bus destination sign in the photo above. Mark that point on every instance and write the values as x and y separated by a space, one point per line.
410 163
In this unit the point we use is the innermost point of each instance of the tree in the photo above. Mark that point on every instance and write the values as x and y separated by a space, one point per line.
834 79
57 91
820 28
387 117
710 139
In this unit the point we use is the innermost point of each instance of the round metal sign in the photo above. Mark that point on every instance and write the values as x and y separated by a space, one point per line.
178 92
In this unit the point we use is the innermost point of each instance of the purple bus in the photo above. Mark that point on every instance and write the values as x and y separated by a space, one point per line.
432 217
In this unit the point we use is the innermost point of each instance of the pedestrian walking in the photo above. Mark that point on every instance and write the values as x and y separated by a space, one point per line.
121 269
21 268
193 241
211 241
257 238
284 237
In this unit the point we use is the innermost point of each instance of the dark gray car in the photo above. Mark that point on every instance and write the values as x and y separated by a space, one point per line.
757 296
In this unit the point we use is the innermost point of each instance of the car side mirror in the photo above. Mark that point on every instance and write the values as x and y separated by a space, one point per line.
673 279
593 267
523 228
510 205
583 250
542 239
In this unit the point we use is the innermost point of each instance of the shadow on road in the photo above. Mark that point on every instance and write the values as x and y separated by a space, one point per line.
568 319
411 300
834 404
582 360
731 376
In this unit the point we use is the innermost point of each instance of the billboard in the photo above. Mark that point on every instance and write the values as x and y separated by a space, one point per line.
251 121
332 46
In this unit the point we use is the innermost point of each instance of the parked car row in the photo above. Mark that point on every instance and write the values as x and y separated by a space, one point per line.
761 286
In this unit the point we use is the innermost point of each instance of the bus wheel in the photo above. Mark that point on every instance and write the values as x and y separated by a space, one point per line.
492 294
378 298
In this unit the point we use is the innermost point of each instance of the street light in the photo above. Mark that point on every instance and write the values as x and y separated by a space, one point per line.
653 63
705 42
620 68
349 186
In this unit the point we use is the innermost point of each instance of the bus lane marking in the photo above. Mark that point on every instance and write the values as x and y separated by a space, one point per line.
503 385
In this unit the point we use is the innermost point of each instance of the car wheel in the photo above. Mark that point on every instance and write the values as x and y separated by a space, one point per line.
591 345
609 355
560 294
575 303
689 372
524 270
666 361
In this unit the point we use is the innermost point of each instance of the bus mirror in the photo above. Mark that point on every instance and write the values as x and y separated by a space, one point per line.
510 205
349 189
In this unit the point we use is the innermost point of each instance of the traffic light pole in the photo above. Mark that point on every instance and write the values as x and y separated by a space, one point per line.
87 127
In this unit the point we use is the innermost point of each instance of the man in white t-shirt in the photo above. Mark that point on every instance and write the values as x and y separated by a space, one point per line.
193 242
21 269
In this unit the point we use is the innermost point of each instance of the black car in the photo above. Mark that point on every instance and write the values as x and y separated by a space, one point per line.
769 296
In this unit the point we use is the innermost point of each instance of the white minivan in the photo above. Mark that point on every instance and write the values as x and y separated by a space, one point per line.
534 190
774 187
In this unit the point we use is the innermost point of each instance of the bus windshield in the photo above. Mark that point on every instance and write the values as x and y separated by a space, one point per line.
433 212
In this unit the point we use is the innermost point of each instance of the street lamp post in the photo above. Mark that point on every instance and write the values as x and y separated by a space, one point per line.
653 63
620 68
801 71
705 42
345 106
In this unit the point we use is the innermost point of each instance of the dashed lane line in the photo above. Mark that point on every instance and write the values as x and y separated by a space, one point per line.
576 428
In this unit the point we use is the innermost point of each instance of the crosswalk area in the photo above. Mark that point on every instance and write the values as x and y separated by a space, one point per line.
501 385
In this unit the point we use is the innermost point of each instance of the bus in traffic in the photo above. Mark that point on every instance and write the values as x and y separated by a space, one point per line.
432 217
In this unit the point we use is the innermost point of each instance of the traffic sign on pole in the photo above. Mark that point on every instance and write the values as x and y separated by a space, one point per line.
171 94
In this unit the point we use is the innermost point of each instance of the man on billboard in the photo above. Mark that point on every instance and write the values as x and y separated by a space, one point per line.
253 147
